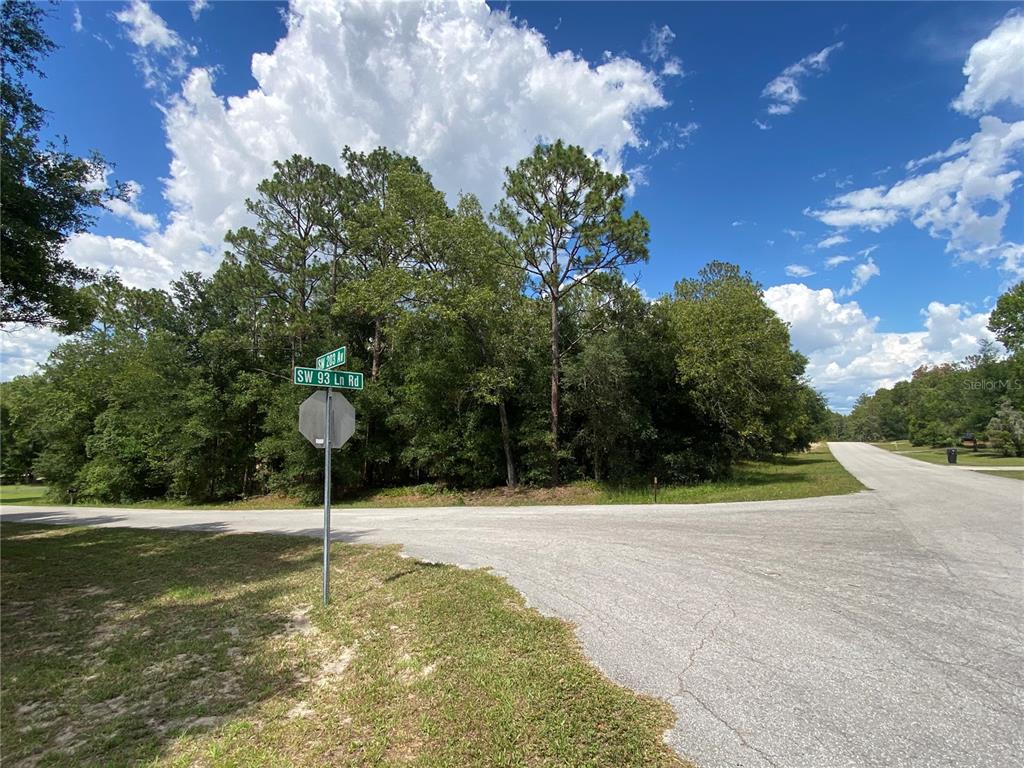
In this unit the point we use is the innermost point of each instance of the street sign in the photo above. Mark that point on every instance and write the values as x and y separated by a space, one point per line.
312 424
313 377
327 420
332 359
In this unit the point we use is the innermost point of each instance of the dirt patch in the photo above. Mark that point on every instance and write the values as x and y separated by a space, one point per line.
334 667
302 709
93 592
299 623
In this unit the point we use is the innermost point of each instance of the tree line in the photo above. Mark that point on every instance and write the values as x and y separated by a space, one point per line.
506 347
981 397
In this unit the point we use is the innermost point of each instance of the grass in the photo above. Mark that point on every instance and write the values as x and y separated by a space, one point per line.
797 476
131 647
22 494
1009 474
981 457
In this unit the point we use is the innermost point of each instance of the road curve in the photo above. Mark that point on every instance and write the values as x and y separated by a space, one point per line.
883 628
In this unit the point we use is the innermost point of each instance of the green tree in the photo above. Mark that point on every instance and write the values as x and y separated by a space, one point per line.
1007 319
392 209
285 257
19 413
466 296
1006 429
391 213
564 217
733 356
601 396
48 193
937 405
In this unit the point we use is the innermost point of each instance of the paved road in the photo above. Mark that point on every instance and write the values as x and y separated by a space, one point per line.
882 628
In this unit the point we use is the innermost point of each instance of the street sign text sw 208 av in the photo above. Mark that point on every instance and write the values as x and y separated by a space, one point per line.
313 377
332 359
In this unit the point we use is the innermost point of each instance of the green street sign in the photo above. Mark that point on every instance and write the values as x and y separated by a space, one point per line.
313 377
331 360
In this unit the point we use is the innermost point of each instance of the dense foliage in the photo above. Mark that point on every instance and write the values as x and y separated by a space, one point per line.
47 192
981 396
187 393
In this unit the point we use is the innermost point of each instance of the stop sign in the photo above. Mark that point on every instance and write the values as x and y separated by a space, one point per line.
311 419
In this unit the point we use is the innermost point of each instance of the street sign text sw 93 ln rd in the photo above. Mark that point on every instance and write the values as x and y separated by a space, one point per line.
312 377
332 359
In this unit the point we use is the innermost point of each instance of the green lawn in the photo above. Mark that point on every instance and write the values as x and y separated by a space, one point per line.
1011 475
130 647
797 476
22 494
981 457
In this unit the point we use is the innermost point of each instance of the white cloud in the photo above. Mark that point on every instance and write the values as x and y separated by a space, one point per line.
862 273
125 209
834 239
137 264
950 201
76 23
658 47
955 149
798 270
834 261
675 136
197 7
128 209
22 349
466 89
761 125
673 68
146 28
783 93
161 55
848 355
995 69
1010 257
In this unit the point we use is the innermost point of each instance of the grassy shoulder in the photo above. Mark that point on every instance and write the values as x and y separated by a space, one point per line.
981 457
1013 475
797 476
181 648
23 494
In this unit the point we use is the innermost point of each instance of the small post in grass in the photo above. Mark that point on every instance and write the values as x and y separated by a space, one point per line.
655 489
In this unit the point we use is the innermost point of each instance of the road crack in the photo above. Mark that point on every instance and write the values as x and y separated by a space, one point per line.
742 739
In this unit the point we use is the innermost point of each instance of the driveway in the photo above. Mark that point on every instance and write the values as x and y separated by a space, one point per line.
882 628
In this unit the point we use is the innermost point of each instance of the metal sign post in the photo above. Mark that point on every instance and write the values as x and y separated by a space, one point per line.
327 497
339 424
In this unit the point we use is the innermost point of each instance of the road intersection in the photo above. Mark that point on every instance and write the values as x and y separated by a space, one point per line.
876 629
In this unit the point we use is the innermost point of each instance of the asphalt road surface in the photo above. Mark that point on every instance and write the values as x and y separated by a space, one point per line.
884 628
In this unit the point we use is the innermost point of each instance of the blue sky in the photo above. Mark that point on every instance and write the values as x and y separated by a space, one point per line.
775 136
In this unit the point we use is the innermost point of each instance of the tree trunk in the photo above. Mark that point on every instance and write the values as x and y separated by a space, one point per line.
556 358
375 366
506 444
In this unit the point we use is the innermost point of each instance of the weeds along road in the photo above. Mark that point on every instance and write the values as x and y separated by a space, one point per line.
882 628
